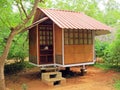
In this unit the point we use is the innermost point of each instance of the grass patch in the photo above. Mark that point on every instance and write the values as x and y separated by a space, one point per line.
106 67
117 85
28 65
115 68
103 66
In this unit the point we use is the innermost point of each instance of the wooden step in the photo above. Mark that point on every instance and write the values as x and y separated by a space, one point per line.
55 81
53 78
50 75
49 69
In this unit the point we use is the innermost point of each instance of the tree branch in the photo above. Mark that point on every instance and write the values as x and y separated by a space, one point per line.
19 10
26 20
22 7
34 24
7 46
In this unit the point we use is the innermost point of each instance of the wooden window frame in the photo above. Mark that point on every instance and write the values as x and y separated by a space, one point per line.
45 32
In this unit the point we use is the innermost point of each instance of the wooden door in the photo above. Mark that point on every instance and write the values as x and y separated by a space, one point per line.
46 44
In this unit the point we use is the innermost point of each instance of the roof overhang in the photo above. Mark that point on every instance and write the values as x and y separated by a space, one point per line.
37 22
102 32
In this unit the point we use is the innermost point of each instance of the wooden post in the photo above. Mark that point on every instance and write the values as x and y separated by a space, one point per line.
83 70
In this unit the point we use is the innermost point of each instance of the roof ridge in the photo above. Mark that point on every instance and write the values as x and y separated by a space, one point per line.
55 9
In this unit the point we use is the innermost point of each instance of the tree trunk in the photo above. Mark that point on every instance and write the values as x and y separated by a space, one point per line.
4 55
2 59
2 80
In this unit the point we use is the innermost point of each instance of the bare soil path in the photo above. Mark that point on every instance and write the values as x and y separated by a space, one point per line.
94 79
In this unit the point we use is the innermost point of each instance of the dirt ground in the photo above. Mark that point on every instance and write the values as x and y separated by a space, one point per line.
94 79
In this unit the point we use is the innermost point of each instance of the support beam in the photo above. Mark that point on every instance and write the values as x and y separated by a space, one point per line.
35 24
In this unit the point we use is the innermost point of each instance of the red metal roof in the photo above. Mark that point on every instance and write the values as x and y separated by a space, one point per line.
75 20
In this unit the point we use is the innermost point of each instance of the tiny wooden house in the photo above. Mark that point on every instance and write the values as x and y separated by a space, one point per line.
63 38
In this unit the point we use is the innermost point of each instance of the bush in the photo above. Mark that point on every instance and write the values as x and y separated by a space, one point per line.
14 67
112 53
106 67
103 66
100 47
117 84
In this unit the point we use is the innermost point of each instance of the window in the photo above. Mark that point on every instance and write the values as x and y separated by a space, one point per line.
76 37
46 37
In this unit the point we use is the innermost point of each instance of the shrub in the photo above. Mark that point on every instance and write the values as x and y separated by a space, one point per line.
117 84
112 53
24 87
14 67
103 66
100 47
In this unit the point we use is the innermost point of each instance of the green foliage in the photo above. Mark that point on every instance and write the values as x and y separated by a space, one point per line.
103 66
117 84
112 19
28 65
19 48
112 53
16 67
100 48
107 55
9 18
106 67
24 87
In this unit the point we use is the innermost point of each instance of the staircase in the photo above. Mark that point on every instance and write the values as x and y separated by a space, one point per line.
53 78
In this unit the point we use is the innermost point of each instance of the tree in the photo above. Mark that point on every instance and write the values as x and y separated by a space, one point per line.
112 52
24 16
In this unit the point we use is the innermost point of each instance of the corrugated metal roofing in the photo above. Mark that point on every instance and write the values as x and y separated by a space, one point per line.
75 20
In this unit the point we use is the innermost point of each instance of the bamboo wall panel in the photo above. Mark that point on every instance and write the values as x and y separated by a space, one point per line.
33 45
74 54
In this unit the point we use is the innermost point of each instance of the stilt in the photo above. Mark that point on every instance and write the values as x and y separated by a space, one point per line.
83 70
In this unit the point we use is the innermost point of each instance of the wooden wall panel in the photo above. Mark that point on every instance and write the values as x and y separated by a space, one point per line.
33 45
68 54
58 42
88 52
75 54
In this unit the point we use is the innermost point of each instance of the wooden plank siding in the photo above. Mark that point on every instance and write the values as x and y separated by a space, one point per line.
74 54
33 45
58 44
